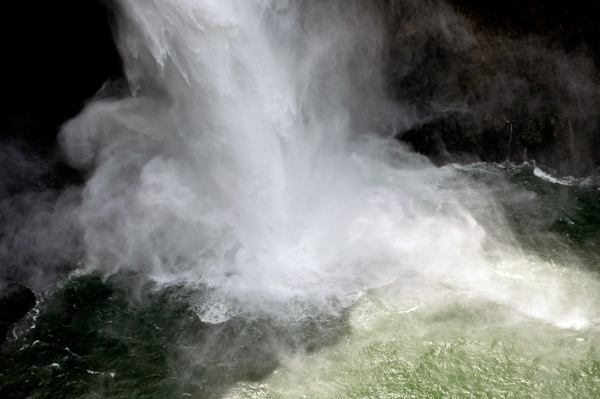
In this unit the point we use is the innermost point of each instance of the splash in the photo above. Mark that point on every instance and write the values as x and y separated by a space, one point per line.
245 166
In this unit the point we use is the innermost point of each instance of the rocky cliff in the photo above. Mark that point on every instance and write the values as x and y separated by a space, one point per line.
499 81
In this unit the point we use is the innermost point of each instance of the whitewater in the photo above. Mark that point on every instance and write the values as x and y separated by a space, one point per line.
250 228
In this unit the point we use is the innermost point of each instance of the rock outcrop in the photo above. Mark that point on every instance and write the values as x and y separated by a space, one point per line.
17 302
501 81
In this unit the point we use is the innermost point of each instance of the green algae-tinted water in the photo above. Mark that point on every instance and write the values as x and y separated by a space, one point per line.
459 351
529 328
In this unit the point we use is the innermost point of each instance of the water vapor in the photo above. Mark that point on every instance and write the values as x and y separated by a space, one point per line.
246 166
231 165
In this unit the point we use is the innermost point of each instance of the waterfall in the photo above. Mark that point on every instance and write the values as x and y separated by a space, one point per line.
235 165
246 207
244 165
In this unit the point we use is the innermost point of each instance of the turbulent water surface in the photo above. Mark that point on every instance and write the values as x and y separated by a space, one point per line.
248 231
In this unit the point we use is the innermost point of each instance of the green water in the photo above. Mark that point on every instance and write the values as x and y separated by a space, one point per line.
528 330
461 350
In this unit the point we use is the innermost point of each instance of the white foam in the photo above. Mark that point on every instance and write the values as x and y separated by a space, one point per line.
545 176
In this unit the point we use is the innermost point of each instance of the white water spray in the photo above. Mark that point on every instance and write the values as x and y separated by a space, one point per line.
243 165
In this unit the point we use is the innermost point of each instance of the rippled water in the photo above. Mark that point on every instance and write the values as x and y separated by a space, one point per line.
527 329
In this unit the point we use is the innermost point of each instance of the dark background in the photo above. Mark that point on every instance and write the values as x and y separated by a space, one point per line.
58 54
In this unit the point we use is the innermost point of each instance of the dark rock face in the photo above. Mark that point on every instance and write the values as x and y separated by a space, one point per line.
17 302
500 81
447 137
569 23
56 56
460 137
